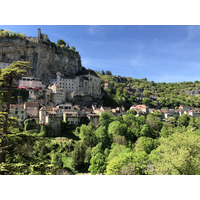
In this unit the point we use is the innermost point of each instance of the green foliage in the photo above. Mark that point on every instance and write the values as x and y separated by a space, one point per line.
97 162
87 135
126 144
105 119
61 43
146 93
179 154
117 128
127 164
9 34
154 125
102 136
183 120
145 144
30 124
132 111
78 156
73 48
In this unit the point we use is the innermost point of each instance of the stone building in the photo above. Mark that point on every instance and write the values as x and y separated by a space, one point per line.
65 107
58 95
71 117
32 109
30 83
86 82
54 120
18 110
50 116
43 113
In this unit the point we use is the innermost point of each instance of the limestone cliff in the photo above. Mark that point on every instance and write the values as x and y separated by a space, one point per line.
45 57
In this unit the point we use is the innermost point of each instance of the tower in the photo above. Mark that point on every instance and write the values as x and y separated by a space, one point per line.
39 33
58 77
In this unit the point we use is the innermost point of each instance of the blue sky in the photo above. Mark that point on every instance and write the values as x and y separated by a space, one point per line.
158 53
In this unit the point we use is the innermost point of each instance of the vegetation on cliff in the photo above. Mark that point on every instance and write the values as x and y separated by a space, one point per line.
9 34
126 91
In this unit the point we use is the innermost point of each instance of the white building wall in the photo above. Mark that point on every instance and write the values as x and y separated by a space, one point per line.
80 86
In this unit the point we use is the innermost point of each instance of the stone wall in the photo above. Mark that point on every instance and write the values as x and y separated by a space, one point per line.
45 57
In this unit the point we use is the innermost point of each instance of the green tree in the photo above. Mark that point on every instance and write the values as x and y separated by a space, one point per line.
97 162
103 72
78 156
172 120
145 131
73 48
8 78
197 122
154 124
183 120
146 93
61 42
127 164
132 111
179 154
146 101
145 144
108 72
105 119
117 128
87 135
102 136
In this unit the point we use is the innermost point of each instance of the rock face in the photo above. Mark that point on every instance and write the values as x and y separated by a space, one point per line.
45 57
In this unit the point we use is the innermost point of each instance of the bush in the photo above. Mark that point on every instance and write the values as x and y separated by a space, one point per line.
73 48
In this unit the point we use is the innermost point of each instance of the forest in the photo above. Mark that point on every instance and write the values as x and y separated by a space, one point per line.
119 145
170 95
116 145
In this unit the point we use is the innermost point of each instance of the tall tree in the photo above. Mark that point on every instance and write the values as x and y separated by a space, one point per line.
8 78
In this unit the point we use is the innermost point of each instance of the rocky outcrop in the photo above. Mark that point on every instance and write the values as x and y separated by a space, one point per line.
45 57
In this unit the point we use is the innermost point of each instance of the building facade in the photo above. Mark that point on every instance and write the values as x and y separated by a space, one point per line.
58 95
30 83
85 82
18 110
32 109
71 117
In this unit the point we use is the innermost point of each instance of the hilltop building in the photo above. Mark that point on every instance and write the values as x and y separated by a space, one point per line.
84 83
40 36
58 95
30 83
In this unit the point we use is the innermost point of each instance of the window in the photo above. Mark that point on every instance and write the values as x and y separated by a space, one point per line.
16 112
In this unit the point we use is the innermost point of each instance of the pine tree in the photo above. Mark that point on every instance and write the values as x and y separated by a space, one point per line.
8 78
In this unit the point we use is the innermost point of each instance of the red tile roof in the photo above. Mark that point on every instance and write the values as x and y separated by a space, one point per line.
16 106
32 104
